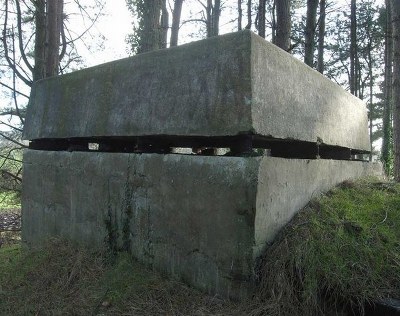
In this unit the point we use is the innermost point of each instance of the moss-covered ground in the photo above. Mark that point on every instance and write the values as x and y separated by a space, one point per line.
337 254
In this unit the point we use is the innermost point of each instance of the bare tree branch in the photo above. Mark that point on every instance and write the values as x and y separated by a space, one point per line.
11 126
5 173
12 89
20 37
9 112
193 20
63 42
6 54
82 9
12 140
10 158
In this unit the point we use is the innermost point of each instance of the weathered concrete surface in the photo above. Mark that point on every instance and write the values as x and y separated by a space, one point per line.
201 219
286 186
226 85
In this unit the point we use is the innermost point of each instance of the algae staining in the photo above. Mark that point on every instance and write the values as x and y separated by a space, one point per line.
127 218
112 236
119 217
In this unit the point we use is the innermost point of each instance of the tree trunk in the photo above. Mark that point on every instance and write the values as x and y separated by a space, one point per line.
209 19
213 11
309 33
273 22
321 36
54 25
283 24
150 37
396 87
261 18
387 111
164 25
240 14
353 48
248 26
39 70
215 16
176 21
48 24
371 94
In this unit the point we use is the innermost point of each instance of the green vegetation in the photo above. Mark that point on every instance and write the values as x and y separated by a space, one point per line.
62 279
340 252
9 200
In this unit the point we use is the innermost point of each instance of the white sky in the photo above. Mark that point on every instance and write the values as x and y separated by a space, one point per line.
115 26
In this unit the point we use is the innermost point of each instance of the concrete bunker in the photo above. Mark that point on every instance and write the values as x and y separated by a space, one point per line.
102 167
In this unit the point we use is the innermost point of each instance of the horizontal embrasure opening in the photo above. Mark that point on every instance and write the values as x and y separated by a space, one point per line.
239 145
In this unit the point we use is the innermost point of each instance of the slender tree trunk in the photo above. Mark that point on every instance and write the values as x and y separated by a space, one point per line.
54 24
396 87
209 19
321 36
176 21
353 48
387 111
371 94
48 23
164 25
312 6
213 11
249 21
240 14
150 38
215 16
273 13
359 85
261 18
283 26
39 70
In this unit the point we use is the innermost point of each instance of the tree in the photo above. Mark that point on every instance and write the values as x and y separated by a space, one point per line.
387 147
176 20
38 42
147 35
47 53
164 25
249 20
395 7
321 36
283 24
240 14
261 18
309 33
272 10
213 11
49 29
353 49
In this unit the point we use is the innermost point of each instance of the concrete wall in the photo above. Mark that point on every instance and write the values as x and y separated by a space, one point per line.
221 86
285 186
292 100
199 219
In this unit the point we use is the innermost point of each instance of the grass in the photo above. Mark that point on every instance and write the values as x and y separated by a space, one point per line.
340 252
61 279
